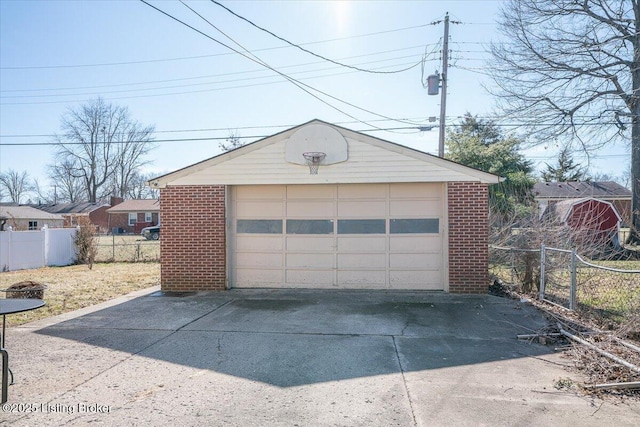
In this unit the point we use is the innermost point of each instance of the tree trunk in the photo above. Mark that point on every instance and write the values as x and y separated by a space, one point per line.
634 236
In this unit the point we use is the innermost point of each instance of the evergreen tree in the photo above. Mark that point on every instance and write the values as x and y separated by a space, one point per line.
566 170
482 145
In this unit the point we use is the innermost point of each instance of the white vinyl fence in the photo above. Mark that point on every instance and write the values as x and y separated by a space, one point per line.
21 250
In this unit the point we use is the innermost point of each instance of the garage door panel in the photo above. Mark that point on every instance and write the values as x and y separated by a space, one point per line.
310 244
422 243
310 209
259 192
415 208
362 279
362 209
415 189
259 209
311 278
424 261
248 277
404 279
355 244
310 260
259 259
363 191
259 243
294 192
354 260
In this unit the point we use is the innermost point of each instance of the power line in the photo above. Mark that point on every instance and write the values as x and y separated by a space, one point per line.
150 61
196 84
213 138
284 126
417 127
307 50
193 91
254 58
124 142
214 75
258 61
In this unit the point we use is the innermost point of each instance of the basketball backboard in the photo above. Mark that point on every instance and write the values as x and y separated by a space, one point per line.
317 138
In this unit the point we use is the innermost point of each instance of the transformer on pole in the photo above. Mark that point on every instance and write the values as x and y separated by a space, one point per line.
433 84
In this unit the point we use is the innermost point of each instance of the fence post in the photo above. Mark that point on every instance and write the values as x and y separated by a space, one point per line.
45 244
9 254
542 272
513 266
574 281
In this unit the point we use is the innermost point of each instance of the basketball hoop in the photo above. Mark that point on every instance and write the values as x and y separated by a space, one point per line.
314 158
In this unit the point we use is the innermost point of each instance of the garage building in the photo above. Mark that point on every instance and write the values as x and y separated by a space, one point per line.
322 206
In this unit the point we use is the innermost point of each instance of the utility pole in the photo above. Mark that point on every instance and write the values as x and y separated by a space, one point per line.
443 95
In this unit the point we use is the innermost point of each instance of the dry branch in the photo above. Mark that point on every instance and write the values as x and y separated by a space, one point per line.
598 350
615 386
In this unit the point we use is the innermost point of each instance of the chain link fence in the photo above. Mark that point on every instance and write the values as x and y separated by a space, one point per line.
607 290
125 248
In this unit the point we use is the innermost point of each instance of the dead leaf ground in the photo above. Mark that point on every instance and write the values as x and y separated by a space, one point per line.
73 287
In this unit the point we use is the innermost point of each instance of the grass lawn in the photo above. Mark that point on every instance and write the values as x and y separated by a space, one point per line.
73 287
127 248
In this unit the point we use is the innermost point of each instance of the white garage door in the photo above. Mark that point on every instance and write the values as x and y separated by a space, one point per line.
373 236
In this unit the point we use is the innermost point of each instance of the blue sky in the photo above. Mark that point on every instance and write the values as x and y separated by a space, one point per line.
60 54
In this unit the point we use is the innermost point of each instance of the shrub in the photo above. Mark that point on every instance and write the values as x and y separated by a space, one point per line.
86 243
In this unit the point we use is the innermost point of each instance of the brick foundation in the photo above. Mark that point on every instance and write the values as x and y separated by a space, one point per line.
192 242
468 237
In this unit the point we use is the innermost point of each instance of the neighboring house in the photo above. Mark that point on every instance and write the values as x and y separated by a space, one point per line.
131 216
377 215
549 193
28 218
71 212
593 221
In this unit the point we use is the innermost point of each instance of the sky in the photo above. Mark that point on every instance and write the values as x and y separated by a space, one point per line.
57 55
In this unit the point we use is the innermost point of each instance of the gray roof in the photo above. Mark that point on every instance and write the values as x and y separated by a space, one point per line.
571 190
27 212
68 208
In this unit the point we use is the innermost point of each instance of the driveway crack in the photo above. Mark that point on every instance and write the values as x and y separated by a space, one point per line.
404 381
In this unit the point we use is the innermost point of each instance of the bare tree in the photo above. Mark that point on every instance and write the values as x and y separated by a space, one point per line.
232 142
101 144
138 188
570 69
15 184
130 155
43 196
68 182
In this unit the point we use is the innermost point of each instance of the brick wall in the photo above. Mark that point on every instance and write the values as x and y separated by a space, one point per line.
468 237
120 220
100 218
193 242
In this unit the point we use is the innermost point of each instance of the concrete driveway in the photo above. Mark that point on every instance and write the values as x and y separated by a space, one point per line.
295 358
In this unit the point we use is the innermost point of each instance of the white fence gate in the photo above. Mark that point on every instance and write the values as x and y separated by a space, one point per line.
21 250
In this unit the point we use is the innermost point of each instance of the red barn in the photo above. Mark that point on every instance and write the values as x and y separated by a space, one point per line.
595 219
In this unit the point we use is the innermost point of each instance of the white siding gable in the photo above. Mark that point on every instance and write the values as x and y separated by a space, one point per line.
370 160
